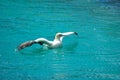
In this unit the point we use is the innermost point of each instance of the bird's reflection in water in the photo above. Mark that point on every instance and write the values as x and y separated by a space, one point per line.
34 52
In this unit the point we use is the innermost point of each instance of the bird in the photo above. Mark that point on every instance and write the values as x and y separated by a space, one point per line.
57 42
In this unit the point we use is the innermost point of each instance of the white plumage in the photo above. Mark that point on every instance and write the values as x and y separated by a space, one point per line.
57 42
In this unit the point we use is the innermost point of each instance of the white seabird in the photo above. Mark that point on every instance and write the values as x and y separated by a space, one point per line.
57 42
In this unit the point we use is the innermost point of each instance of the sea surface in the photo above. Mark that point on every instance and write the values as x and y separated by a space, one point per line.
94 55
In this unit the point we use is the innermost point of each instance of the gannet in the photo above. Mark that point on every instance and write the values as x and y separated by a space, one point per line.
57 42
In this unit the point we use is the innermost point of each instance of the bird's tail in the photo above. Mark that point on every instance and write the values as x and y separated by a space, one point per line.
25 44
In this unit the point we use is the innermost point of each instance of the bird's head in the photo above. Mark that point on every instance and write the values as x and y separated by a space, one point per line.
59 36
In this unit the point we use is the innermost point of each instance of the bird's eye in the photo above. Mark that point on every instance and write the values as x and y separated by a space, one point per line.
60 34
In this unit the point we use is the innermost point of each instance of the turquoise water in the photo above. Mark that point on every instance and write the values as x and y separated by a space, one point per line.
94 55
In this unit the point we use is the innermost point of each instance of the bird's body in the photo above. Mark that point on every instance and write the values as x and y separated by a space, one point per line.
57 42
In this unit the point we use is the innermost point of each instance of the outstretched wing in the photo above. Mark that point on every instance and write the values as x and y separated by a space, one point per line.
40 41
25 44
69 33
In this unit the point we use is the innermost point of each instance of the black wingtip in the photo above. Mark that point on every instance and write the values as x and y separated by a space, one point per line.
75 33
